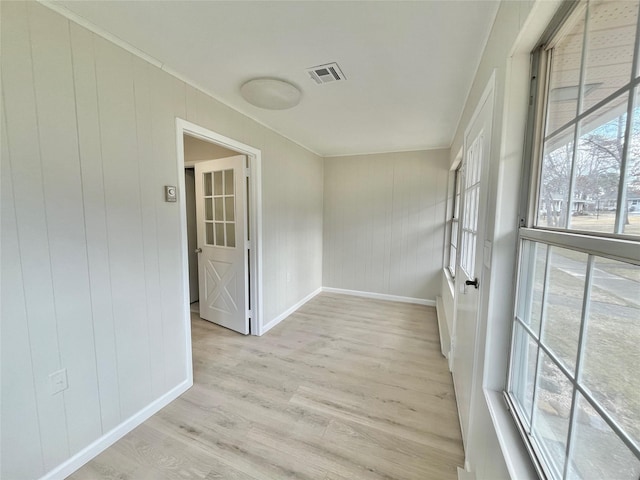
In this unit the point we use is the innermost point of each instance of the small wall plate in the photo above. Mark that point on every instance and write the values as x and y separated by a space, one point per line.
170 193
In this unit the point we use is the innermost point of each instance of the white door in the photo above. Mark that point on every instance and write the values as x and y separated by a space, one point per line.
221 226
477 144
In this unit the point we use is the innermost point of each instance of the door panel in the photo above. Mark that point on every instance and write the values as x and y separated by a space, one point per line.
222 262
477 146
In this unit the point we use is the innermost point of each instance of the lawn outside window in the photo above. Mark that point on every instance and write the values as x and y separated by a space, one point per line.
573 381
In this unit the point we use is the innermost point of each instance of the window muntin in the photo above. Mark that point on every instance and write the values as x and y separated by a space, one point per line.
573 381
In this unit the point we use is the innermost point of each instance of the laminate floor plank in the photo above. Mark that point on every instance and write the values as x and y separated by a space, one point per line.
344 388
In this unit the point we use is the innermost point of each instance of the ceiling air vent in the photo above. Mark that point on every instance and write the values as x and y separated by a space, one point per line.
326 73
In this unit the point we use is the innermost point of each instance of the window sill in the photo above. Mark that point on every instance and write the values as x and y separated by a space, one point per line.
515 453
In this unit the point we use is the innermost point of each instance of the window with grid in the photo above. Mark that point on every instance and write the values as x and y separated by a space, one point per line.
453 224
574 375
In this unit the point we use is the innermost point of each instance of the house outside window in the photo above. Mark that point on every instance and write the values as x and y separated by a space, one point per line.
574 383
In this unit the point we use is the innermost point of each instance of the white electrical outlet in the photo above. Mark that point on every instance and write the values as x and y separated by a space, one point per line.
58 381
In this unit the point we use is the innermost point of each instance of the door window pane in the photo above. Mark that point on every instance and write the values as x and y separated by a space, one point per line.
217 183
219 234
231 235
228 182
207 184
597 452
209 234
612 346
229 203
563 308
208 209
219 209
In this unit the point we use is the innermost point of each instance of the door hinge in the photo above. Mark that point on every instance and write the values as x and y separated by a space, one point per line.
247 172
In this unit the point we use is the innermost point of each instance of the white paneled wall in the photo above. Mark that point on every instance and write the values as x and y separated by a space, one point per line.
383 222
91 260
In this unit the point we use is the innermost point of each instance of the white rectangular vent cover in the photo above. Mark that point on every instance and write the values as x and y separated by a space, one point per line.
326 73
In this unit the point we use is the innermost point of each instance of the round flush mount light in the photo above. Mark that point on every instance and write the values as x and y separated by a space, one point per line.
270 93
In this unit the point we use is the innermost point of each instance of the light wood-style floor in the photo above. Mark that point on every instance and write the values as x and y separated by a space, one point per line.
345 387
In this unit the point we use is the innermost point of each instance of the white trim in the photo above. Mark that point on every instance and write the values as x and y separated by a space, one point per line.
625 250
105 441
255 198
443 329
380 296
289 311
184 245
386 152
92 27
513 449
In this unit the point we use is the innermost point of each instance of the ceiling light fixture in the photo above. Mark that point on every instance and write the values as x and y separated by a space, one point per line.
270 93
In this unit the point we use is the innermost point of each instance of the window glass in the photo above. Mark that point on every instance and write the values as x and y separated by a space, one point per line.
597 167
598 452
563 304
612 345
526 352
555 181
610 43
551 413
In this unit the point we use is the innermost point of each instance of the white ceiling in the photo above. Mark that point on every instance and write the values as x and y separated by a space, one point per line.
409 65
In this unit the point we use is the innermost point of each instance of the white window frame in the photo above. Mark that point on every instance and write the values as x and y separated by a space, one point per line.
454 222
620 247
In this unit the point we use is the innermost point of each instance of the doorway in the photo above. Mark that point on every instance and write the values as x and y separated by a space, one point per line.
197 147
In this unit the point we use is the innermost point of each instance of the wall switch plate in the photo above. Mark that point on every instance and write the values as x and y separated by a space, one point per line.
170 193
58 381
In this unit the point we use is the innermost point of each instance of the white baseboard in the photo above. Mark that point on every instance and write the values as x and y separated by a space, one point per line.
380 296
443 328
289 311
83 456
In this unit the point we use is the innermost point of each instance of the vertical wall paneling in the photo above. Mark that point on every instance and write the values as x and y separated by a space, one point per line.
27 179
53 80
90 148
19 409
116 106
382 216
149 193
92 272
167 103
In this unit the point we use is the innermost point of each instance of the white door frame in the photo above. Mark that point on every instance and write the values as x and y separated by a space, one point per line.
255 213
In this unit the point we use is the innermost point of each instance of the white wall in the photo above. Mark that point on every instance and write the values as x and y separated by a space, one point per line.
91 271
494 453
383 222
